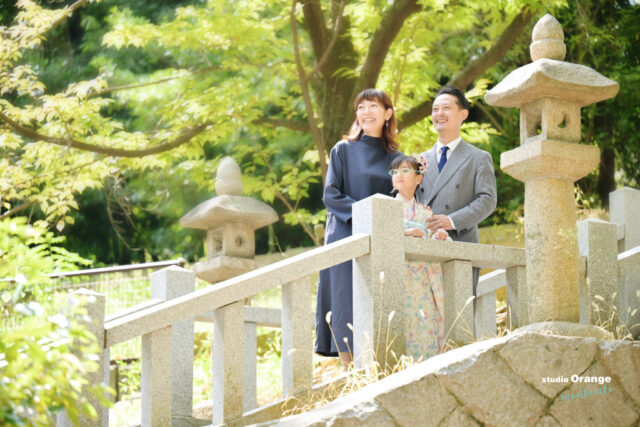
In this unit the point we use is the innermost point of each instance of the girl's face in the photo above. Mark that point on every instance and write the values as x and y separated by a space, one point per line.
371 116
406 184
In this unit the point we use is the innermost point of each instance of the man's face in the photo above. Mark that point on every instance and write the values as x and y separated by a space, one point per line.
447 116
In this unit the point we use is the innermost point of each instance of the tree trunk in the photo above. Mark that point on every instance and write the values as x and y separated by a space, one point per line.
606 175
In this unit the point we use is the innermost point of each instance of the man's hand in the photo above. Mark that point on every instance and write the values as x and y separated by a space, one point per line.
415 232
439 221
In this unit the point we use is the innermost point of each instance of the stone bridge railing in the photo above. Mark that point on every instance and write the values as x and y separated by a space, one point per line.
377 246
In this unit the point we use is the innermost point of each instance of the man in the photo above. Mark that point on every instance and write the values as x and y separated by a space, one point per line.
459 183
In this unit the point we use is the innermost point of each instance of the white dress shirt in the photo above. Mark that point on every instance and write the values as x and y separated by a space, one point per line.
452 146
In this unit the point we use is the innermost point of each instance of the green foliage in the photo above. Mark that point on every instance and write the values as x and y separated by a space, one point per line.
129 377
40 370
26 251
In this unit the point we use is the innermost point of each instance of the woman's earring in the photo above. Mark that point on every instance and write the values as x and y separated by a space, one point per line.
386 123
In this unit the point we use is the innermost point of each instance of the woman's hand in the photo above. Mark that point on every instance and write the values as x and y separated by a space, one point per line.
441 234
415 232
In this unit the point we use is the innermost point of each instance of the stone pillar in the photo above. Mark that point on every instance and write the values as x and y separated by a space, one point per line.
550 93
517 302
551 249
379 302
156 378
250 399
228 363
297 340
94 303
458 306
624 205
167 284
599 243
485 315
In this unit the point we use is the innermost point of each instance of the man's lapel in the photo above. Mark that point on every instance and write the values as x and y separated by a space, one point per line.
431 175
458 157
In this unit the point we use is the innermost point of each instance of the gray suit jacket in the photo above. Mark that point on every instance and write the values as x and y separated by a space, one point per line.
465 189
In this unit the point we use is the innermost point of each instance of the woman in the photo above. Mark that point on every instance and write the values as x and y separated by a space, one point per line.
358 168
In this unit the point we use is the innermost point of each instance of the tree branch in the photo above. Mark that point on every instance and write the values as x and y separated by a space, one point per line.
292 209
475 68
155 82
332 43
491 118
314 21
17 209
495 53
41 177
313 126
72 9
381 42
114 152
289 124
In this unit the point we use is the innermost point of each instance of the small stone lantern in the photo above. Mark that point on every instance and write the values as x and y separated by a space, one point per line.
550 93
230 220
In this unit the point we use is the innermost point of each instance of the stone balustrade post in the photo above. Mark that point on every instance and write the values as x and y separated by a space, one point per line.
517 304
297 340
250 400
167 284
228 363
458 302
378 334
598 242
94 303
485 315
156 377
624 205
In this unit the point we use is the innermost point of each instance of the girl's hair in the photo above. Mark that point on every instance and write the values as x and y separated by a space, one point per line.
388 129
409 160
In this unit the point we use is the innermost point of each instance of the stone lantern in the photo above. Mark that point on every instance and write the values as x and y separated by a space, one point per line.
550 93
230 220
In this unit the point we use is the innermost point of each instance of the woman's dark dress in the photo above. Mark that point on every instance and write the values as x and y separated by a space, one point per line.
357 170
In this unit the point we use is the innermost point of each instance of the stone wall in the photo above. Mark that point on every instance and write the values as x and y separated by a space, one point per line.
526 379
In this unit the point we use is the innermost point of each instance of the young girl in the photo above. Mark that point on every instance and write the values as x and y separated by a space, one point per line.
425 298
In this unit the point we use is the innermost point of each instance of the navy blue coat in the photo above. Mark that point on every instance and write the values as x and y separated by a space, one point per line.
357 170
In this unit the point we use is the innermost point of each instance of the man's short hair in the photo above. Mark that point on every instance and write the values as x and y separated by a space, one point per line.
461 100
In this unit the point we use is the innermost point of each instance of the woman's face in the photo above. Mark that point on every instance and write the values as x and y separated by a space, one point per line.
371 116
406 184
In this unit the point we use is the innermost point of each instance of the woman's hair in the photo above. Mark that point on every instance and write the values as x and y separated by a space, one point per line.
388 129
409 160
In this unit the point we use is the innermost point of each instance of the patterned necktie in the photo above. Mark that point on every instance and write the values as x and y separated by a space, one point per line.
443 158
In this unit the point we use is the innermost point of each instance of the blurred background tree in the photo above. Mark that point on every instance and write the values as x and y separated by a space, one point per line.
116 114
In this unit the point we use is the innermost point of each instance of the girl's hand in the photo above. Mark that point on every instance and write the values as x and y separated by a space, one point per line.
441 234
415 232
